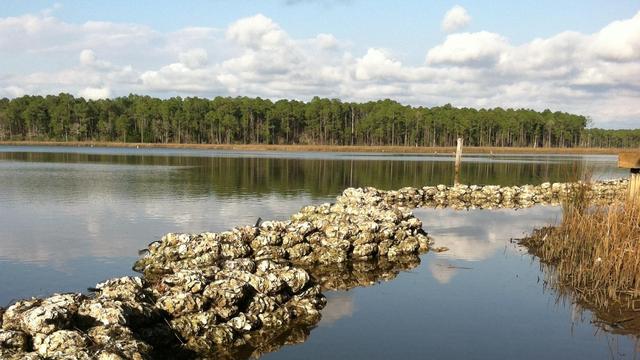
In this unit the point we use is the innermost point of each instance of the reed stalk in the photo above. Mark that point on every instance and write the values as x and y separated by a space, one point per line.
594 250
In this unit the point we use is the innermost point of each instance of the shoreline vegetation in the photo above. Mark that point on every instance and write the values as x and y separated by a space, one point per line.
592 257
320 121
429 150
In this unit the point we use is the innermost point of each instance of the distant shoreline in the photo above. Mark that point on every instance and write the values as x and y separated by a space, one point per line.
324 148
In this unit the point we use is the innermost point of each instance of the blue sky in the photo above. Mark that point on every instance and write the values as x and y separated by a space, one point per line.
409 28
564 55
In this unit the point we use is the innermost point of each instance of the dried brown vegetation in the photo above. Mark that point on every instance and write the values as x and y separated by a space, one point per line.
592 258
594 250
328 148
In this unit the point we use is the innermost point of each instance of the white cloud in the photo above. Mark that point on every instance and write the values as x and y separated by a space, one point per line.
89 60
87 57
455 19
619 41
468 49
12 91
95 93
178 77
376 63
592 74
327 41
552 57
194 58
257 32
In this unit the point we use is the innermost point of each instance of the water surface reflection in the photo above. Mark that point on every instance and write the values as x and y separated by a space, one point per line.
481 300
72 217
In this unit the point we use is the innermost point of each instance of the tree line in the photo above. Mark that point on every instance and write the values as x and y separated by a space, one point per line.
321 121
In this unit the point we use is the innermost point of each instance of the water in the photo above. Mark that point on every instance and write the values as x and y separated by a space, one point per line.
71 217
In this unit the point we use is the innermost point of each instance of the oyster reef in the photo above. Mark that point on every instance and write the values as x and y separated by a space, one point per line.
252 289
213 293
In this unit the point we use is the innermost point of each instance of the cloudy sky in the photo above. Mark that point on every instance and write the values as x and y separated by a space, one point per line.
576 56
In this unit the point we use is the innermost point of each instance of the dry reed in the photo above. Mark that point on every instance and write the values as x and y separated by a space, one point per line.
594 250
325 148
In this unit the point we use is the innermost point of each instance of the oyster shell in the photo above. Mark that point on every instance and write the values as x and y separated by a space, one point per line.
64 344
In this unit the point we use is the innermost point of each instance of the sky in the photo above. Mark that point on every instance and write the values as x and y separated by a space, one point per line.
577 56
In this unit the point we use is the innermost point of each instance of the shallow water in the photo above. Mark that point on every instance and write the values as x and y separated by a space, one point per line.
70 217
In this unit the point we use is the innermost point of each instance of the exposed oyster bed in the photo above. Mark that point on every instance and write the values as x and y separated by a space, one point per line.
252 289
358 226
214 293
495 196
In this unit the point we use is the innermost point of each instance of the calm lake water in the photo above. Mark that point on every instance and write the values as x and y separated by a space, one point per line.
71 217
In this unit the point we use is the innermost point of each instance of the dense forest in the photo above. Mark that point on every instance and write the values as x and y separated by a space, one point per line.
243 120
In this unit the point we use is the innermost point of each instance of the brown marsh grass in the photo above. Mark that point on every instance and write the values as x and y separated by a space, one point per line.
326 148
592 258
594 250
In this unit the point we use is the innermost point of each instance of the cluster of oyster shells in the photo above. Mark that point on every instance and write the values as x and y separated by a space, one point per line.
253 289
354 228
234 292
76 326
494 196
234 304
243 306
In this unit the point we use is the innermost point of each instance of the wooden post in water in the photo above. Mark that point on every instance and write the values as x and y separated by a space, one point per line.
631 160
456 180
